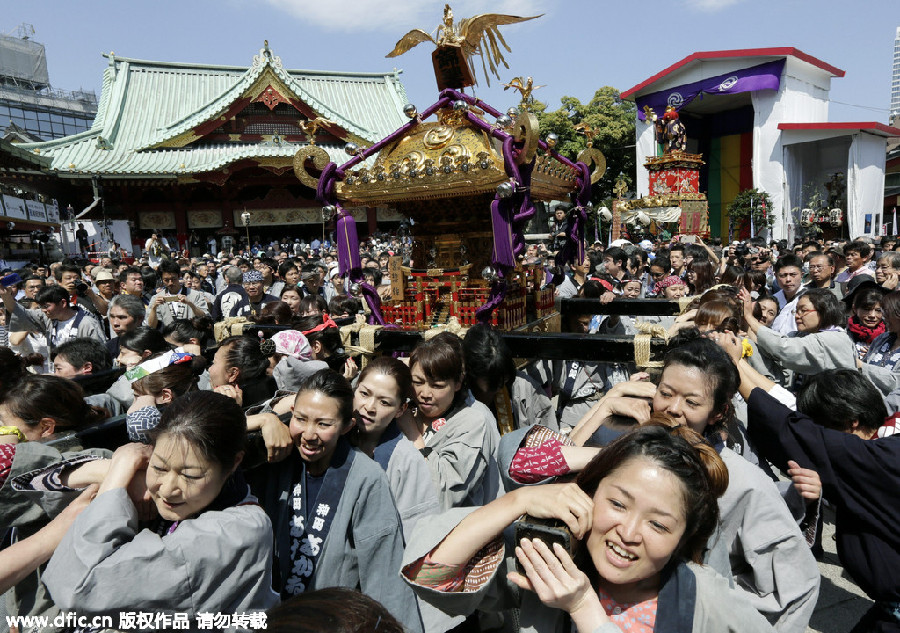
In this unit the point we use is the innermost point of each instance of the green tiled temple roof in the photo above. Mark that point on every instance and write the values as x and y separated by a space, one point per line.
144 104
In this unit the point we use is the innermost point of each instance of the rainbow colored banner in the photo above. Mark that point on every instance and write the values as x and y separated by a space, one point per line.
730 172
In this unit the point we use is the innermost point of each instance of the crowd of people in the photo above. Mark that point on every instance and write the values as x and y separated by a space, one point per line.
149 462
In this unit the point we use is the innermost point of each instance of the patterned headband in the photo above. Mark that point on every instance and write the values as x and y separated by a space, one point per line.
174 357
671 280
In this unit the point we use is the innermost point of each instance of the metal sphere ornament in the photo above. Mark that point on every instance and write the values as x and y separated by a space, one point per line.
506 189
504 120
328 212
351 148
410 111
552 140
460 105
489 274
355 290
512 113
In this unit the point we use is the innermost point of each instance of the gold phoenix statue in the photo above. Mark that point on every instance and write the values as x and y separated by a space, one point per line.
525 88
478 35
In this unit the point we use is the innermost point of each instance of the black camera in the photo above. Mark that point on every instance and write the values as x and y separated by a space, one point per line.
81 288
549 531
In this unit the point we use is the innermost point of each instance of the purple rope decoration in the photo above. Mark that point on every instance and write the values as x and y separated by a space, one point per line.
347 241
370 295
574 246
509 239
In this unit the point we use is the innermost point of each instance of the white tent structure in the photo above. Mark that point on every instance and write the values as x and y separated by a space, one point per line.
814 151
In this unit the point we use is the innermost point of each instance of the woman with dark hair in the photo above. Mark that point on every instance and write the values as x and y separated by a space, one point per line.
156 383
882 361
139 345
331 508
701 276
240 370
643 511
325 340
274 313
39 406
195 335
292 295
210 548
736 276
759 542
313 305
765 309
458 436
866 322
819 343
514 398
381 397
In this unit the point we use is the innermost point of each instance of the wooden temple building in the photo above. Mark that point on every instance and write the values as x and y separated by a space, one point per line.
179 147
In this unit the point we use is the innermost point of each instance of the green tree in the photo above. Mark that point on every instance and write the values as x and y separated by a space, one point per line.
613 121
747 203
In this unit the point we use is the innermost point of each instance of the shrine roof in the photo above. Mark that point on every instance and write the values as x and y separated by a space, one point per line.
703 56
146 107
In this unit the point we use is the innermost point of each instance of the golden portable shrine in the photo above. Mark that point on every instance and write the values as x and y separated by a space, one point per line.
468 181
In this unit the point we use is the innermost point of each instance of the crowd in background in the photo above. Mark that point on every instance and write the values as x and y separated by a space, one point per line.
689 499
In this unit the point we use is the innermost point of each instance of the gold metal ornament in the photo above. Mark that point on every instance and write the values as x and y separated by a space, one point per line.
311 127
527 130
319 158
525 88
478 35
438 137
593 155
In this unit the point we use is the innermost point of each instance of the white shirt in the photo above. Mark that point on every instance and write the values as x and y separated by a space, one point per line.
784 322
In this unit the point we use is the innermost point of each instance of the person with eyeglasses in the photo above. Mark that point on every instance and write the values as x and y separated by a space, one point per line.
658 270
819 342
887 270
821 273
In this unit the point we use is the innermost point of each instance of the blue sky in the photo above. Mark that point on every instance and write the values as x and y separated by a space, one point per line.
577 47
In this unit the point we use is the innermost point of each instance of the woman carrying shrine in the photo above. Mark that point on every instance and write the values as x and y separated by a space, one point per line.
381 397
457 434
207 547
642 512
331 507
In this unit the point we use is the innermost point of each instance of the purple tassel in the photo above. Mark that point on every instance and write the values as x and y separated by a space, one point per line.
498 294
370 295
347 242
503 242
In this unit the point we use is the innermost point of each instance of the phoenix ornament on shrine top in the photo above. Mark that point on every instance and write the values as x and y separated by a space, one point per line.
478 35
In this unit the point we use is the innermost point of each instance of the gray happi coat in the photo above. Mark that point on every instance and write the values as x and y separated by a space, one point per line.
463 457
767 555
716 608
217 562
364 545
